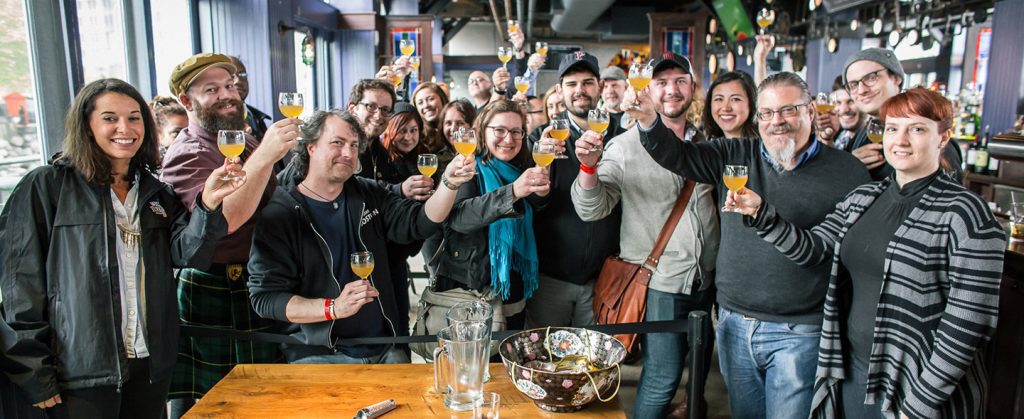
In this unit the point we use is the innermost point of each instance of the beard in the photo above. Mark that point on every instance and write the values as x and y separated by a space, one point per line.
684 107
213 121
581 112
782 154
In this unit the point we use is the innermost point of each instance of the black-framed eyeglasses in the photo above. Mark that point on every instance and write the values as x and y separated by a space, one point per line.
372 107
502 132
788 111
869 80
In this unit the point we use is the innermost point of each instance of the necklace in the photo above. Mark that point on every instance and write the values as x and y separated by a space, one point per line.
333 202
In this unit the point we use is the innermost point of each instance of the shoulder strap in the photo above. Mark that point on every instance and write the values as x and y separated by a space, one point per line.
670 225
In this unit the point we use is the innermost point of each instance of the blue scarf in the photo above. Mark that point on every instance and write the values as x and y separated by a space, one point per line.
510 241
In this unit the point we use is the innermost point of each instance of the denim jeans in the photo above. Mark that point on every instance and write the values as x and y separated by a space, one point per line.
391 356
665 353
768 367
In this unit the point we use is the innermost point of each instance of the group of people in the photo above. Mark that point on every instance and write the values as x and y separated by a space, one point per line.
850 279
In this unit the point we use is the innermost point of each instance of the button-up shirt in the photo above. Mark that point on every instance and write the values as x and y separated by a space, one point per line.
131 272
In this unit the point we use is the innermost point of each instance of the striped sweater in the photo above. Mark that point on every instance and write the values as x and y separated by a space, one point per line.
937 308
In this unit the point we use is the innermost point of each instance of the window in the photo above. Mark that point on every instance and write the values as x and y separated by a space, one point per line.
20 149
304 76
172 37
103 51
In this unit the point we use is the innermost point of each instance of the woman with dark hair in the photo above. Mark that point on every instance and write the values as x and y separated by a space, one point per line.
170 118
90 243
729 111
457 114
488 244
914 294
429 99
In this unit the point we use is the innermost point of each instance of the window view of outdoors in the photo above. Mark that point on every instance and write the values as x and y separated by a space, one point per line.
171 37
100 27
19 137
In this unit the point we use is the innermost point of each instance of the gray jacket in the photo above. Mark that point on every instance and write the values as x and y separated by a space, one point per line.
648 192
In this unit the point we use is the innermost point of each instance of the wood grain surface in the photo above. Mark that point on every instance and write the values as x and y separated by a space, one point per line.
338 391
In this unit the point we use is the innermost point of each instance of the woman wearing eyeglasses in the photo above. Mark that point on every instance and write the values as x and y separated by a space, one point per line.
489 245
914 291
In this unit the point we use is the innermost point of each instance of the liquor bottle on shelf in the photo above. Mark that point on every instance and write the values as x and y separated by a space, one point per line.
972 157
981 164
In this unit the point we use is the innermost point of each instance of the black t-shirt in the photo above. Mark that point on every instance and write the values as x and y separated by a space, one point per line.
332 223
863 254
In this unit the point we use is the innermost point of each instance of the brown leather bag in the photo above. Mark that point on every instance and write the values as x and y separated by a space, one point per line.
620 294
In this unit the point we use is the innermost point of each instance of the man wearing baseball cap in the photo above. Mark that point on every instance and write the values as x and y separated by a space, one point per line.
571 251
683 280
218 296
873 76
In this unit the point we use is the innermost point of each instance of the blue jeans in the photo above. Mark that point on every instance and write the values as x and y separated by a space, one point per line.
391 356
768 367
665 353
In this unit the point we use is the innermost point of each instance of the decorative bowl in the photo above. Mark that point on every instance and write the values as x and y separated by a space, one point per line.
563 368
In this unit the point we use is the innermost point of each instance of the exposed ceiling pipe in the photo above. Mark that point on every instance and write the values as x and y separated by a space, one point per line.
497 22
579 15
521 16
529 18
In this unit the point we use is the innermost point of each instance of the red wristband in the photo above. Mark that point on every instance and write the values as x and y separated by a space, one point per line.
327 309
587 169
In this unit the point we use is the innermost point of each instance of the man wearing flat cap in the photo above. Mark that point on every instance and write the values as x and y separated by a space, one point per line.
570 250
873 76
613 85
218 296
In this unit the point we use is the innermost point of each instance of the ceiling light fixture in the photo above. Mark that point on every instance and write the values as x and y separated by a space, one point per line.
876 26
854 24
894 38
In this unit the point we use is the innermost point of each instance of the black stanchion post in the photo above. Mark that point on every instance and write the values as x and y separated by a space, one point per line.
698 339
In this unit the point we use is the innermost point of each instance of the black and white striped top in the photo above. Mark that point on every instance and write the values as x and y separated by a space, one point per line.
937 309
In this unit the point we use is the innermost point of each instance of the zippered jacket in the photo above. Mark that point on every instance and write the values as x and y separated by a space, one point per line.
60 283
290 258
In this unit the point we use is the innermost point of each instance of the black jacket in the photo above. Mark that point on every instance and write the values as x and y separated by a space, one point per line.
569 248
465 261
377 165
60 280
290 258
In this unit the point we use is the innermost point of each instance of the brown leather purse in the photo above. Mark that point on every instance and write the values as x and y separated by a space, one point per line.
620 294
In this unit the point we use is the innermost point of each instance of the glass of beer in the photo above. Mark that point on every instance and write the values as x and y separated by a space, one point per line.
231 144
513 26
504 54
290 104
465 143
427 164
407 46
362 264
541 48
522 84
765 18
735 178
823 103
1016 222
560 132
639 77
415 62
543 155
875 130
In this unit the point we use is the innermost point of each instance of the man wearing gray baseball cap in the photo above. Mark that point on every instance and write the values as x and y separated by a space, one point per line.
873 76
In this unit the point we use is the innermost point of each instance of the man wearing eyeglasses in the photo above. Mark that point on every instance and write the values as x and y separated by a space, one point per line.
570 251
770 308
872 76
372 101
256 118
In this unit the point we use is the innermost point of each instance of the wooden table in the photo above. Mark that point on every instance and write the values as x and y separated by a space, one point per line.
338 391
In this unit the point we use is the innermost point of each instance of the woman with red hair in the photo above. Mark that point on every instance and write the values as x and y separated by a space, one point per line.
916 263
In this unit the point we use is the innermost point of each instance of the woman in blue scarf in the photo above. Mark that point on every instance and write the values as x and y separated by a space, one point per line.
488 239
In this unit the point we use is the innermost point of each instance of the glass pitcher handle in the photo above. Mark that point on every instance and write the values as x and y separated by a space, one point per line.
437 364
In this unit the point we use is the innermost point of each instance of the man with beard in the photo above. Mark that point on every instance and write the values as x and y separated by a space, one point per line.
770 308
613 85
372 102
846 114
683 279
217 296
571 251
873 76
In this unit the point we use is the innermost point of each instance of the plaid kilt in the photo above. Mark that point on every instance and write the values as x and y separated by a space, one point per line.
213 300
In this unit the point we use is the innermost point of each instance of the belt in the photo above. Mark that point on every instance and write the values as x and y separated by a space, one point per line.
231 271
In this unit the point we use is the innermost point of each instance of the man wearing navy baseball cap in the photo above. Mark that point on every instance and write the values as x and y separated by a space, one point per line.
571 251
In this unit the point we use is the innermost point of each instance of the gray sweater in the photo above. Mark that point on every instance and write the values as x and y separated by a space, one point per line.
648 192
752 277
